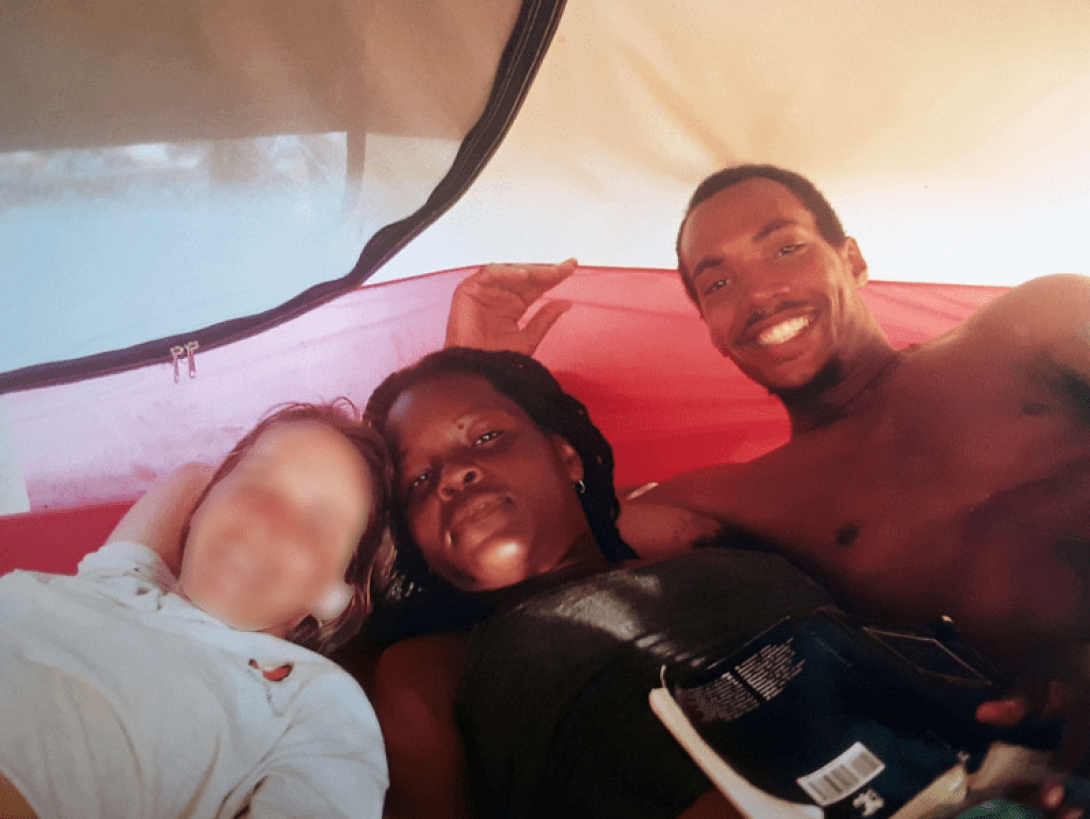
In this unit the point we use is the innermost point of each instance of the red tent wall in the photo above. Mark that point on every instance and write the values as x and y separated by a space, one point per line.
632 348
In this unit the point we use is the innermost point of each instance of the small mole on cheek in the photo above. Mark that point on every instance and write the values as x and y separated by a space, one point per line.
847 534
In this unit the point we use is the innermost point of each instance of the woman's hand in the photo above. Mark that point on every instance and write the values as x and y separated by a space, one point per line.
487 308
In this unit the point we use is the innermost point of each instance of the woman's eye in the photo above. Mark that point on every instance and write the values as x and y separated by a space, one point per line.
418 481
491 435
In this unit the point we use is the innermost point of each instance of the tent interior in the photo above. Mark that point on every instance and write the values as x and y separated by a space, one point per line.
213 208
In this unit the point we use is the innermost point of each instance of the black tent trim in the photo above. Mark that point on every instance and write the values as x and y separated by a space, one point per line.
522 56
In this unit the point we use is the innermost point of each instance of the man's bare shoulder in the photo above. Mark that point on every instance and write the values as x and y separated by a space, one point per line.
1039 309
1043 320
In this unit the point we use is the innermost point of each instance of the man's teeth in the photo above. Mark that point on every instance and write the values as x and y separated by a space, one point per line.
784 331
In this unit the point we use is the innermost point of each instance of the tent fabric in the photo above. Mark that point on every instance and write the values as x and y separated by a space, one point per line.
168 166
55 542
632 348
242 152
951 136
179 176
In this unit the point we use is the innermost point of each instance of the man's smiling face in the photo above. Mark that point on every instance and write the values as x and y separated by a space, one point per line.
778 299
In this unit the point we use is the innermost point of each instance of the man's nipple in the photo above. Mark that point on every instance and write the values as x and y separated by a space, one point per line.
847 534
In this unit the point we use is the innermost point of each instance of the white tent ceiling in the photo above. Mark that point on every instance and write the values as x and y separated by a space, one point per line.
951 135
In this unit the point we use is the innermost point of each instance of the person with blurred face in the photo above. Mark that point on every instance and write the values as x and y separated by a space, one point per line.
181 671
272 539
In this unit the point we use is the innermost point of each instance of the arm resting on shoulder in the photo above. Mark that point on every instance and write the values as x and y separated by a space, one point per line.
156 520
690 506
416 682
661 529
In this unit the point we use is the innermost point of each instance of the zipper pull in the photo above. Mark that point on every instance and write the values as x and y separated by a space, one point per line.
176 352
191 352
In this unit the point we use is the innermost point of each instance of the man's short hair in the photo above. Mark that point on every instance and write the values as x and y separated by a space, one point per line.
828 223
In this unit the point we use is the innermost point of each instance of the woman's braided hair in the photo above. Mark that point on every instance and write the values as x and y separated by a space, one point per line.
530 385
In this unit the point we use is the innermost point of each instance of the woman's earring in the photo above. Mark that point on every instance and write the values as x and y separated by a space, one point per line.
580 487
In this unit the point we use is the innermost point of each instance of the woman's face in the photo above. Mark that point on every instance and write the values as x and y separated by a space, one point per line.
489 497
272 540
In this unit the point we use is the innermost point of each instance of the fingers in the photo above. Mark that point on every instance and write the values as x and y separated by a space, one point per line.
529 281
489 306
1004 713
1053 800
542 321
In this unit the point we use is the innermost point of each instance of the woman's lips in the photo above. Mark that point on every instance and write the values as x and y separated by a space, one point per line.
475 510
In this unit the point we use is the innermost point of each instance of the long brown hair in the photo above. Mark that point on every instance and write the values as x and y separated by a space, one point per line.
374 552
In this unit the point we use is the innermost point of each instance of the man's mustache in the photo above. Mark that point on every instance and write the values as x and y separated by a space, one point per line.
760 315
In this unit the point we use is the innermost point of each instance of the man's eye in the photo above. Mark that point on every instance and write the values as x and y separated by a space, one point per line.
787 250
716 286
491 435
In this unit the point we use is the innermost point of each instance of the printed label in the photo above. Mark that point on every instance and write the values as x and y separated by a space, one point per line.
843 776
770 669
722 700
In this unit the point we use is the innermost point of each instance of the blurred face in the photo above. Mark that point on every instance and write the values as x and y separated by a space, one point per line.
778 299
274 537
488 496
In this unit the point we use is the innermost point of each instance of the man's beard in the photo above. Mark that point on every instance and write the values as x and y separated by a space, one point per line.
824 379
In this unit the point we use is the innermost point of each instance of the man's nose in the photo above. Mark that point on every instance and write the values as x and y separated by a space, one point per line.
457 476
763 291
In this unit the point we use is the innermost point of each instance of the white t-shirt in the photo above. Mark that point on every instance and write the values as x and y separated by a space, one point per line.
118 698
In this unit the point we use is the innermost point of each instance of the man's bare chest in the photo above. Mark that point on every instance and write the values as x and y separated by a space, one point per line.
941 469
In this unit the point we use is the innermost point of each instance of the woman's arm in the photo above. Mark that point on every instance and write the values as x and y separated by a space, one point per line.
415 685
157 519
12 803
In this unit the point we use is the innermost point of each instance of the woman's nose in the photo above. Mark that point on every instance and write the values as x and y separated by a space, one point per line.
455 477
278 520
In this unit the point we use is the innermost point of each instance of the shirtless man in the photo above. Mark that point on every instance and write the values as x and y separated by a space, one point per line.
947 479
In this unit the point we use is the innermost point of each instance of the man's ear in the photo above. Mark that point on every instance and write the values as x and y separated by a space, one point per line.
854 256
569 457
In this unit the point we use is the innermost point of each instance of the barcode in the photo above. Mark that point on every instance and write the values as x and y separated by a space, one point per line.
844 775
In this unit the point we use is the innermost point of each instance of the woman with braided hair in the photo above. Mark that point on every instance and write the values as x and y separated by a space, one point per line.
535 631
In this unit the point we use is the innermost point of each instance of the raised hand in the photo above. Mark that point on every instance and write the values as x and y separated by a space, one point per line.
488 307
